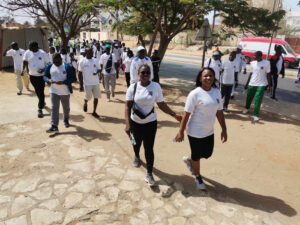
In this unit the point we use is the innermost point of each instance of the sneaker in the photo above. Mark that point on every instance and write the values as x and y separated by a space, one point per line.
81 90
52 129
245 111
19 92
274 98
66 122
108 100
40 113
232 97
188 163
150 180
85 107
136 162
255 118
199 183
226 110
94 114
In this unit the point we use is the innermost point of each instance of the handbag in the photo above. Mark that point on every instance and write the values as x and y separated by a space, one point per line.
135 109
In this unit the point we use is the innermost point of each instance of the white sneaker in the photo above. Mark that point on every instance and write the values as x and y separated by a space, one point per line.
108 100
245 111
255 118
150 180
199 183
188 163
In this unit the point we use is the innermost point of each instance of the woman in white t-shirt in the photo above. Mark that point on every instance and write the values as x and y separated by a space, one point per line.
140 117
127 63
203 105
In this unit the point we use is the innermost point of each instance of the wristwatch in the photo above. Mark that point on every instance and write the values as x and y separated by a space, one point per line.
173 114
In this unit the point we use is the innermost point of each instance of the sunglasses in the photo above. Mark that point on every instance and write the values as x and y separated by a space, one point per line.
145 72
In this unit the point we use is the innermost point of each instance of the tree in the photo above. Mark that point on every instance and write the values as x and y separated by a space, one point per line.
170 17
26 23
39 22
59 14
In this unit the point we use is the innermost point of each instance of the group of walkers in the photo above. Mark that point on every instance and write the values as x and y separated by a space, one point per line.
203 104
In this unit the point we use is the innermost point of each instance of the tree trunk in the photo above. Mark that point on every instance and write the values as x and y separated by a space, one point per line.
65 42
141 41
158 23
163 45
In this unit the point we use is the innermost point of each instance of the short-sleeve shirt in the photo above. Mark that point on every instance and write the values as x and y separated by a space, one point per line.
127 62
117 52
229 67
216 65
59 74
259 72
36 61
203 106
17 57
145 98
89 68
134 68
103 60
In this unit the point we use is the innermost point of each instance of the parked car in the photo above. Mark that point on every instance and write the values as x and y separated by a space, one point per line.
253 44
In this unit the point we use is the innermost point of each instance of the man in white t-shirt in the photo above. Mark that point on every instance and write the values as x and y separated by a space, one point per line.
98 51
35 60
215 63
259 79
59 77
65 57
108 64
117 52
50 54
17 54
80 78
90 70
141 59
229 68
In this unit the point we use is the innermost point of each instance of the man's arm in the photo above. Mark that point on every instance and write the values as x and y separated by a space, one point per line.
5 51
246 85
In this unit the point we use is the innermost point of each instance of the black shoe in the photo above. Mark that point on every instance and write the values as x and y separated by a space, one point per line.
66 122
94 114
81 90
236 85
52 129
136 162
232 97
19 92
85 107
274 98
40 113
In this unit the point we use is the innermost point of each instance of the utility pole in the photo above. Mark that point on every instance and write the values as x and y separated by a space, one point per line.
274 5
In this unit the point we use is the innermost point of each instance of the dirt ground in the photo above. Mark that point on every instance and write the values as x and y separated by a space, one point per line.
258 168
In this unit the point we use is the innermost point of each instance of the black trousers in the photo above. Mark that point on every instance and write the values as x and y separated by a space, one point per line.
80 78
274 84
156 77
39 86
226 92
145 133
127 76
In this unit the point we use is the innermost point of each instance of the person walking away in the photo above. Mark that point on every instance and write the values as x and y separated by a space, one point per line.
90 70
78 46
240 60
202 107
259 79
139 60
277 67
97 51
57 45
141 117
156 60
73 44
17 54
117 52
65 57
108 64
35 61
123 58
127 64
59 76
50 54
215 63
80 78
229 68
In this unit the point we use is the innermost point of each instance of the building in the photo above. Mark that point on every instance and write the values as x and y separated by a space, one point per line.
293 20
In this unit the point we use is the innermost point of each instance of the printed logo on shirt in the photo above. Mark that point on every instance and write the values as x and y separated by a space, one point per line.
150 93
64 72
262 67
218 101
20 54
94 65
40 58
219 65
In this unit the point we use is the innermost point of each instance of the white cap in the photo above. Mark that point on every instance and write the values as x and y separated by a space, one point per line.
240 47
216 53
140 48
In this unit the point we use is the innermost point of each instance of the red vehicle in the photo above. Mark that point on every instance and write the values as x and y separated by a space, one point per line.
253 44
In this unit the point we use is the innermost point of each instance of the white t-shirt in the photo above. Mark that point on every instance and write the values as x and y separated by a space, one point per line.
65 58
145 98
97 53
279 65
229 67
88 67
134 68
259 72
117 52
17 57
203 106
36 61
124 56
216 65
59 74
127 62
103 60
240 60
50 56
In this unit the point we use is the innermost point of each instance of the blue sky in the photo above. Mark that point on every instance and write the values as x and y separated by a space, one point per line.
291 4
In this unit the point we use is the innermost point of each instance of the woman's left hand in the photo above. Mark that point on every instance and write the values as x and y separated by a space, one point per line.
178 117
224 136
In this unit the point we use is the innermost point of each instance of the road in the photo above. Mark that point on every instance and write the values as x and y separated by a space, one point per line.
186 68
